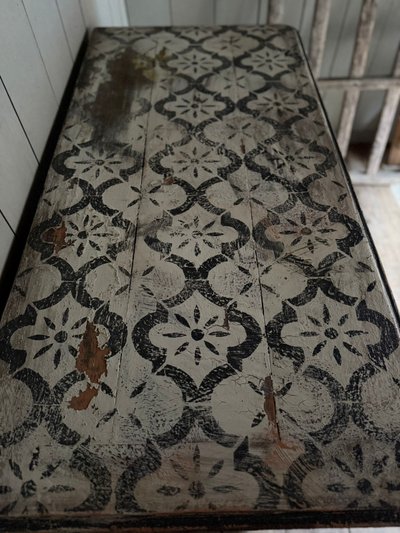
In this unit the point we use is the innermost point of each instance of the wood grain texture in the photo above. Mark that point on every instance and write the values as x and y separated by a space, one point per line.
199 334
394 152
358 64
386 121
318 34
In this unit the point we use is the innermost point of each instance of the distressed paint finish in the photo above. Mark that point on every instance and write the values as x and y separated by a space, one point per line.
198 324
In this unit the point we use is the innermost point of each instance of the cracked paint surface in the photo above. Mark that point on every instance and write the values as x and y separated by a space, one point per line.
198 323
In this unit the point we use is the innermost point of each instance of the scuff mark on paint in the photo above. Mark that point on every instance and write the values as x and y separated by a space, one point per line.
91 358
270 409
82 400
270 406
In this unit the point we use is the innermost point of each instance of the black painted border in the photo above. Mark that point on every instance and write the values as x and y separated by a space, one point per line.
205 521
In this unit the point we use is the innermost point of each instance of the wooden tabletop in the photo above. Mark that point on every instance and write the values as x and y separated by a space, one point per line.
199 334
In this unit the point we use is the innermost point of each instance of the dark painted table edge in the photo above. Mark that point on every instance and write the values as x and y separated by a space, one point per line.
203 521
352 191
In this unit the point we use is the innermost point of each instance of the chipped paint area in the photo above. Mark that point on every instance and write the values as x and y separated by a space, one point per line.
198 323
91 357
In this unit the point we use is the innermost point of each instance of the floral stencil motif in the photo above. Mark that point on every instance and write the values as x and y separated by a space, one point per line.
270 61
63 334
356 476
198 334
190 234
194 483
276 104
195 107
331 333
195 63
94 234
35 484
90 161
198 482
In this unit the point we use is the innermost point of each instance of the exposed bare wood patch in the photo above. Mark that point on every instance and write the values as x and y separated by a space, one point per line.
91 357
57 236
81 401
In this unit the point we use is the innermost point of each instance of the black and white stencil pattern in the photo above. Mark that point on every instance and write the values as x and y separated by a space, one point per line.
198 322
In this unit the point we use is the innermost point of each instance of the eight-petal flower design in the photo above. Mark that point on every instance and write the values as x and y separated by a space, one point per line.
357 476
197 335
194 62
331 334
191 234
191 479
195 106
269 60
66 334
33 485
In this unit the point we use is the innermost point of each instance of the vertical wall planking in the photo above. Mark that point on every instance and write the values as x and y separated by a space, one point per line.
104 13
6 238
24 74
17 162
263 12
193 12
46 25
74 25
237 12
154 13
292 12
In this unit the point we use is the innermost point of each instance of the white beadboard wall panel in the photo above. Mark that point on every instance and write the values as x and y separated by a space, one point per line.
263 13
17 162
292 12
307 22
104 13
237 12
193 12
149 13
74 25
51 41
6 238
24 74
39 40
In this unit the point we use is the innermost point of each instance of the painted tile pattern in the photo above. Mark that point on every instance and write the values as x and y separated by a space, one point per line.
198 322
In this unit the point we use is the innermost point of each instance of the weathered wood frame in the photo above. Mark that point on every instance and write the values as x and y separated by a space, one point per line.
356 82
